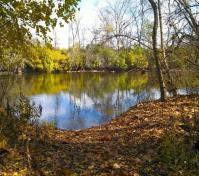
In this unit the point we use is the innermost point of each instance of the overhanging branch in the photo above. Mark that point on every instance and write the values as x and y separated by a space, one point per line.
132 38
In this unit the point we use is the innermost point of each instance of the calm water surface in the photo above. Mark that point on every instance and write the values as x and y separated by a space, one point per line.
82 100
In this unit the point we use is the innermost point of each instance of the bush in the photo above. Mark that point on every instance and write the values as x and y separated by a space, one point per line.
15 119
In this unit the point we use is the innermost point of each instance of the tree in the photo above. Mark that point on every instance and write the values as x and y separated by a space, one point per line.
155 50
138 57
19 18
167 74
184 23
116 20
75 28
185 7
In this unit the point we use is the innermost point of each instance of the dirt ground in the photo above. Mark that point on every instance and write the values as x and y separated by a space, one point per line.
124 146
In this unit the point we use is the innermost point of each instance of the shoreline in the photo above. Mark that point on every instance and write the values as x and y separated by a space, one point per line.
126 145
143 71
136 107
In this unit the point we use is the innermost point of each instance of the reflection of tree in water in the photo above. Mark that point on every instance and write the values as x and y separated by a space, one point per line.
190 81
120 97
76 121
110 93
10 89
105 106
94 84
112 104
57 107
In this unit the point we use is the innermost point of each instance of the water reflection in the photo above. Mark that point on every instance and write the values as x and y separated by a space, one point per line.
82 100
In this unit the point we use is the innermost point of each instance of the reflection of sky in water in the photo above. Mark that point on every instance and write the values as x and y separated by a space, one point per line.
83 100
62 109
187 91
70 112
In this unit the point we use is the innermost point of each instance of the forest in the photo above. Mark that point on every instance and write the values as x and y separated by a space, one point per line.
120 41
119 97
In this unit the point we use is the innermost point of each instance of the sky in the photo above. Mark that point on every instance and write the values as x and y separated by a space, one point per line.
89 16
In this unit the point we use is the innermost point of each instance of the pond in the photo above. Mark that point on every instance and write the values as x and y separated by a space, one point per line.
75 101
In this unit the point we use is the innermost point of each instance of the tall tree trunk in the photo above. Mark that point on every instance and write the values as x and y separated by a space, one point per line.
161 29
167 74
155 51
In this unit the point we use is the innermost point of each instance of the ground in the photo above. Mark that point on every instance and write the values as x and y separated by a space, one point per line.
127 145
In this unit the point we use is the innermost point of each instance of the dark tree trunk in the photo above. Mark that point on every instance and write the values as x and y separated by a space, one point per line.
155 51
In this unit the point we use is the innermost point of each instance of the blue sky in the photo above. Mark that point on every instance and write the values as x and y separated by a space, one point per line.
86 3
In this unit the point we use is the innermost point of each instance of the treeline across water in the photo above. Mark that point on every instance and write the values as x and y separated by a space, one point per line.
125 37
99 57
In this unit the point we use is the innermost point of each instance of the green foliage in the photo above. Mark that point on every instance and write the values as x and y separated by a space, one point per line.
122 61
102 57
94 57
183 57
14 119
108 56
46 59
11 60
19 20
18 17
76 58
47 125
138 57
178 153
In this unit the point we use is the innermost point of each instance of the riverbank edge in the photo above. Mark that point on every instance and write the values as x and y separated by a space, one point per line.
126 145
136 107
76 71
90 71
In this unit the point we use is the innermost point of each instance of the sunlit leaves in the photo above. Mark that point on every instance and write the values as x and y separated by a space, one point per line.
20 18
138 57
46 59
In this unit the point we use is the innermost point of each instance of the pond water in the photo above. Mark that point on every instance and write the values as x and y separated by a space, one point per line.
75 101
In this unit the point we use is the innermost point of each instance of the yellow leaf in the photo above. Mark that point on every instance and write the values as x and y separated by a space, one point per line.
3 141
